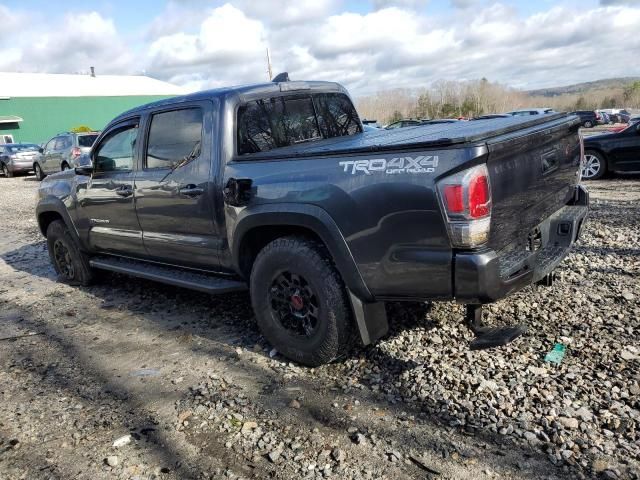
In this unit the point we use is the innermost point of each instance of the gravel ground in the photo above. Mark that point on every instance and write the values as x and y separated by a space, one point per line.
186 388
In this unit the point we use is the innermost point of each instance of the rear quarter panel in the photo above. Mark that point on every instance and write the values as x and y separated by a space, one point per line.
388 214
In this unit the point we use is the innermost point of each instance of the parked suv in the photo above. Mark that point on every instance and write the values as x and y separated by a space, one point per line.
62 152
589 118
275 188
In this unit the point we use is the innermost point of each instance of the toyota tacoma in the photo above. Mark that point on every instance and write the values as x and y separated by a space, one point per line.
275 188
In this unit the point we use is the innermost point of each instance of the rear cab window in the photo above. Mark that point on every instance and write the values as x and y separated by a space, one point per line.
282 121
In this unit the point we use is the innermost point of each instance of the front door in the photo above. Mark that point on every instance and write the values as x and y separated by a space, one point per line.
627 151
174 201
107 200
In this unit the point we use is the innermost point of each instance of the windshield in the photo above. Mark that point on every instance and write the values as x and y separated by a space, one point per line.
26 147
86 140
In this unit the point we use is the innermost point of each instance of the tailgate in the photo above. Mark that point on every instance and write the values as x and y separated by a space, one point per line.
533 173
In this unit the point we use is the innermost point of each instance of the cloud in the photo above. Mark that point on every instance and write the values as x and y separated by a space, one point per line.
228 45
619 2
79 41
397 44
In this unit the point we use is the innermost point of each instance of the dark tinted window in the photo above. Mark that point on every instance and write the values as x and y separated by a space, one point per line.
86 140
336 115
282 121
276 122
174 137
116 151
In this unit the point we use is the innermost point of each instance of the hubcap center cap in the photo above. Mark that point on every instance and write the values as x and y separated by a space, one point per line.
297 302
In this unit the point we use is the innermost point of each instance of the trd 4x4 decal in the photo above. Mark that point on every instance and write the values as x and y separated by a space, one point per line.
420 164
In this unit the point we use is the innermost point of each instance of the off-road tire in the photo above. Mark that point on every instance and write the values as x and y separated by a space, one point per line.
37 169
310 260
82 273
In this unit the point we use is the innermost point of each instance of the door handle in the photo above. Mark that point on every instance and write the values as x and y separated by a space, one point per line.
124 191
191 191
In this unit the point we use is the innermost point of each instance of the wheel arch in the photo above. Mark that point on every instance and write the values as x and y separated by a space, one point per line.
50 209
256 227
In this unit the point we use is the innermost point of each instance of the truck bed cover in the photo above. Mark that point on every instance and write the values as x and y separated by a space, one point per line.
420 136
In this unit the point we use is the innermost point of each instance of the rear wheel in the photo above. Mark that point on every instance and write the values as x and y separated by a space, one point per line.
595 165
7 173
71 265
588 124
38 171
300 301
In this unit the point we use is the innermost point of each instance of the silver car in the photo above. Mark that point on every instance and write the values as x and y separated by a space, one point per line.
62 152
18 158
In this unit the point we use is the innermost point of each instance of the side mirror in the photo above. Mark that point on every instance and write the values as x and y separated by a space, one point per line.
88 170
41 150
84 165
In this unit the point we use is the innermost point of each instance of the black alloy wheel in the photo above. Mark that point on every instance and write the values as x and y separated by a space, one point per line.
294 304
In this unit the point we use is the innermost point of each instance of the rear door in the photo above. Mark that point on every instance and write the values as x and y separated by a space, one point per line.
107 202
48 162
174 190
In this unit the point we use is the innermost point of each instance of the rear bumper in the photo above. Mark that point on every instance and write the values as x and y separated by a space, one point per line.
19 167
487 276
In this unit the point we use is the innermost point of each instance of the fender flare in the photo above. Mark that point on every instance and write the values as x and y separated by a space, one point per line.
52 204
307 216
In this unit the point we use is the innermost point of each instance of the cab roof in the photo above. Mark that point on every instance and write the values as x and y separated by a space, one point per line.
242 93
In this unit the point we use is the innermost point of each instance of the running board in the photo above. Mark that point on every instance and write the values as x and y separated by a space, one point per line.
170 275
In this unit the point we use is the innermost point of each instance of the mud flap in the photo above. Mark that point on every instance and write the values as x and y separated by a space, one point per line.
371 319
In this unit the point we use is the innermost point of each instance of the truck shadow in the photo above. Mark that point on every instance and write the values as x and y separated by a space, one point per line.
225 323
68 367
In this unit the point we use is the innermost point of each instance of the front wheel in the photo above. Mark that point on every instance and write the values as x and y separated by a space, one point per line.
38 171
300 301
595 165
588 124
71 265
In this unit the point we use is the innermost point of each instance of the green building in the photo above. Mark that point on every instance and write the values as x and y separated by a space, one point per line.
36 106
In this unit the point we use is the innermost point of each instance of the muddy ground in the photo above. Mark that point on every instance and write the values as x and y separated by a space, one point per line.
190 388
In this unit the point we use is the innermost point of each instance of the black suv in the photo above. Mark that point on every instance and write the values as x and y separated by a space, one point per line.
275 188
589 118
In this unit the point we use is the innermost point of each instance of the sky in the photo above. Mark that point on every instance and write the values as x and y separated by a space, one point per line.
367 45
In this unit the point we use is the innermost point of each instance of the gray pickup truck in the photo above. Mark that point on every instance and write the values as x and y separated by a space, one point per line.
276 188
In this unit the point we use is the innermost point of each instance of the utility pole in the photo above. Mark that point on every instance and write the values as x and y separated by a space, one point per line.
269 66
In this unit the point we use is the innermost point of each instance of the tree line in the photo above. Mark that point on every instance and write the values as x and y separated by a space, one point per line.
453 99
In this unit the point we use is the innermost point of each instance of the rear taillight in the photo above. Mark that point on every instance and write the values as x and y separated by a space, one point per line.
75 153
466 200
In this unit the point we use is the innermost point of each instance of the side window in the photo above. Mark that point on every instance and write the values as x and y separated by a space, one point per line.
276 122
336 115
116 151
174 138
50 144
